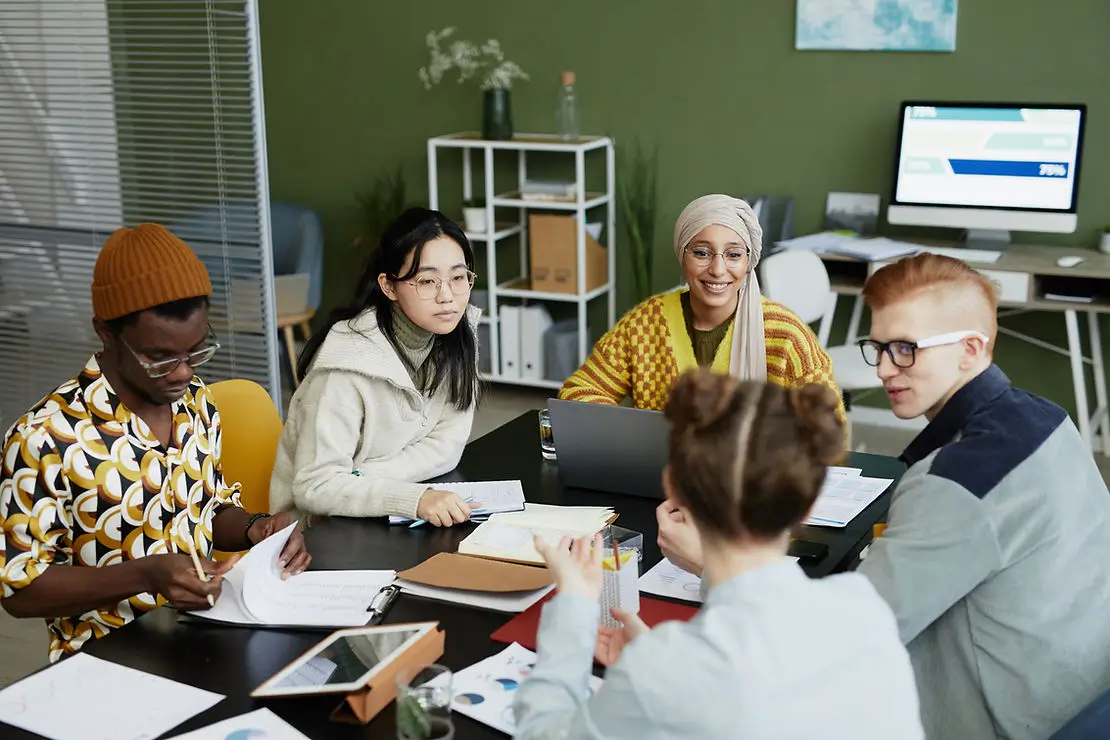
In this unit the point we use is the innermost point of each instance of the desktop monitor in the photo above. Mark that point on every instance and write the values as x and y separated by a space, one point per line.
990 168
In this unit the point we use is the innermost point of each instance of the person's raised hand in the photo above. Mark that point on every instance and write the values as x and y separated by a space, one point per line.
575 565
611 641
174 576
443 508
678 537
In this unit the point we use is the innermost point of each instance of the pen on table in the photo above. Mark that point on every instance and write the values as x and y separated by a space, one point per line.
381 603
200 570
418 522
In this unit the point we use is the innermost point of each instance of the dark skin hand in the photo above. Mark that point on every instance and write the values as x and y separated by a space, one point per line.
230 522
66 590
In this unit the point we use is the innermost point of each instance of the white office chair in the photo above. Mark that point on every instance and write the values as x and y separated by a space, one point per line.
799 281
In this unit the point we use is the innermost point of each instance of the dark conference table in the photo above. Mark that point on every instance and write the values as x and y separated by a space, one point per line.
233 661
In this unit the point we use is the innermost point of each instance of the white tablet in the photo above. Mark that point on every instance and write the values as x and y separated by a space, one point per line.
345 661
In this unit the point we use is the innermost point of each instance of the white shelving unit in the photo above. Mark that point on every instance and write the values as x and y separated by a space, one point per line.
469 143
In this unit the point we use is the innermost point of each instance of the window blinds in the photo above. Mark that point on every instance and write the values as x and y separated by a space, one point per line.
116 112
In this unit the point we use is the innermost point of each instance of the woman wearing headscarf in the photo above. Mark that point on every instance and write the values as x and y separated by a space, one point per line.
718 320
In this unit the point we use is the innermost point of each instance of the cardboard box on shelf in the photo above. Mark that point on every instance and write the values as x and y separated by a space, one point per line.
553 255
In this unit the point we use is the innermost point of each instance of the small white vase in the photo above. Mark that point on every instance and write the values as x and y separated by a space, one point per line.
475 220
1104 243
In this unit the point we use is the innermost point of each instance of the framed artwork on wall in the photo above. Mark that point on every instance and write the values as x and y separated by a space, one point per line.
876 25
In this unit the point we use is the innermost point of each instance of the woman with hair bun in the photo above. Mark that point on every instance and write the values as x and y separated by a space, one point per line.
772 653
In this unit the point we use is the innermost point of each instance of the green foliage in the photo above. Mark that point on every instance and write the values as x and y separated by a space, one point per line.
412 719
637 199
380 207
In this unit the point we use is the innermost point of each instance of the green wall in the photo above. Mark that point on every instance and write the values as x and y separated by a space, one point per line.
717 85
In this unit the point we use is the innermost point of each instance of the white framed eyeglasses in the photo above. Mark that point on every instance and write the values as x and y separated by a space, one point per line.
903 354
428 287
162 368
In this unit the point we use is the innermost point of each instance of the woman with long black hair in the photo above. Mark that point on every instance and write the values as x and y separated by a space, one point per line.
390 384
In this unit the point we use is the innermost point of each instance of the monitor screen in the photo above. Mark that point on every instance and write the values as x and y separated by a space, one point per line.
989 156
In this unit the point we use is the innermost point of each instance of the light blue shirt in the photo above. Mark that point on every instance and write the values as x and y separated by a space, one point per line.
772 654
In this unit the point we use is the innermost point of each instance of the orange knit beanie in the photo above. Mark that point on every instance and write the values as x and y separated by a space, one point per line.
144 267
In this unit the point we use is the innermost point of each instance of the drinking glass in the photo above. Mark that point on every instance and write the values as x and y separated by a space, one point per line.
424 703
547 439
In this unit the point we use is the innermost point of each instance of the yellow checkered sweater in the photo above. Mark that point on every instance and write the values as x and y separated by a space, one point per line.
643 355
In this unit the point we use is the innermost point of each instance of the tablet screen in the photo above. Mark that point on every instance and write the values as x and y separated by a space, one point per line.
344 662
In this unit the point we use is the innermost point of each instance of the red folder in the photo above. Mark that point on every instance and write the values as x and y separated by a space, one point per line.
523 627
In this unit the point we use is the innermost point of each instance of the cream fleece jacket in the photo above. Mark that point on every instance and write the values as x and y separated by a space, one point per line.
358 433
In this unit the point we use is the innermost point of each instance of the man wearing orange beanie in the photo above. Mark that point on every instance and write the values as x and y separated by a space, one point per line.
120 466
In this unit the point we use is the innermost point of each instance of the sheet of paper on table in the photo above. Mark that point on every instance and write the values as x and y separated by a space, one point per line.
495 497
261 723
254 593
843 498
485 691
667 579
62 702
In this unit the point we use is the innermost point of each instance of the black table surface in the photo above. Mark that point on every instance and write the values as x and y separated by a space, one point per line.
233 661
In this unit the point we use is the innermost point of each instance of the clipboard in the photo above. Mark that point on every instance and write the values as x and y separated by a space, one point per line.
384 598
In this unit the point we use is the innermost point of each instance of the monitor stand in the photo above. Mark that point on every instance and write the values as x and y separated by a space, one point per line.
990 240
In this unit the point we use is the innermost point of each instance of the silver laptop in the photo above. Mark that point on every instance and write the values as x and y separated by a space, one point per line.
615 449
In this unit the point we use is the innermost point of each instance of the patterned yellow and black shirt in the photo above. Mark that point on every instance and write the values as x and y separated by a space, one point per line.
84 482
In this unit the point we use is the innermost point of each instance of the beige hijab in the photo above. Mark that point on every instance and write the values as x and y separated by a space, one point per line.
749 348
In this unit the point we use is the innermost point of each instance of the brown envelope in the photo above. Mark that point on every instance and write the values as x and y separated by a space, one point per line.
452 570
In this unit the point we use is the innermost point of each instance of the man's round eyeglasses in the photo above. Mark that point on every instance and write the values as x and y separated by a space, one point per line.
734 256
162 368
903 354
428 287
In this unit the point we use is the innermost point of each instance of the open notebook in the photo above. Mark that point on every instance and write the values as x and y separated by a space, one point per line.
253 593
510 536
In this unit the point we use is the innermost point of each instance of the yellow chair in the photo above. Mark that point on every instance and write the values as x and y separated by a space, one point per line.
251 431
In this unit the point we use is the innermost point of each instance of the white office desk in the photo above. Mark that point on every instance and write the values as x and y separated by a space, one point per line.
1019 274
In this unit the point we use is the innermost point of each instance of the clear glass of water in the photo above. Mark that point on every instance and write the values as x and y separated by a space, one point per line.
424 703
547 439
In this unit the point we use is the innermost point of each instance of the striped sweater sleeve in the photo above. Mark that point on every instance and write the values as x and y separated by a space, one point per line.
806 361
606 376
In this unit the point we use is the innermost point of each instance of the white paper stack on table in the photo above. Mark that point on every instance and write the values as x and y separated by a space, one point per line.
844 496
254 594
62 702
485 691
851 245
495 496
510 536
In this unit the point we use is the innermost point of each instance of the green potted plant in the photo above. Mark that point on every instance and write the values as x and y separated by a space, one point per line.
474 215
636 200
487 63
1104 241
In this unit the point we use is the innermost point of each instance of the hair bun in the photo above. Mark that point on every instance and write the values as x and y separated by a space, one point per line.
819 429
700 398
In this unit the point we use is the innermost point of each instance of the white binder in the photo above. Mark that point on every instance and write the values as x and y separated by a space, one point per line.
534 323
509 326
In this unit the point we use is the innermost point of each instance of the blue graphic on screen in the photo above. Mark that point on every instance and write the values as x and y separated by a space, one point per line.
1000 157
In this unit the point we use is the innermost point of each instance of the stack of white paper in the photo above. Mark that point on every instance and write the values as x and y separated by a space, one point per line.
254 593
498 601
844 497
495 497
667 579
93 699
